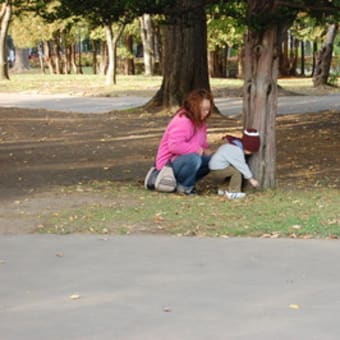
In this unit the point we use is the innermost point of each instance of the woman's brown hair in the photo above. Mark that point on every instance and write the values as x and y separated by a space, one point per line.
192 104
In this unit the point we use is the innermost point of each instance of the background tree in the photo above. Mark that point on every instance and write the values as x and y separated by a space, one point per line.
105 13
224 32
7 9
267 21
266 25
148 39
185 63
5 17
131 37
324 57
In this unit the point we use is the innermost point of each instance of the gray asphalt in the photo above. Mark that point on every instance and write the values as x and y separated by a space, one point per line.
227 106
153 287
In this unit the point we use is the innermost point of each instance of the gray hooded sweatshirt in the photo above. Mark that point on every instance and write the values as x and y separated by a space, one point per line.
230 154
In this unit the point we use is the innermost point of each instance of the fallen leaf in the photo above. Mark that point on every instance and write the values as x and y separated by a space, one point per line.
266 235
294 306
296 226
59 254
307 236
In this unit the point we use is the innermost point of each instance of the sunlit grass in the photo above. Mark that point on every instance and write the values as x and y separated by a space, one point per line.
89 84
274 213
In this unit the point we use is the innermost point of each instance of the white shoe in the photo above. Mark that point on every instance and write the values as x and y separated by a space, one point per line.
235 195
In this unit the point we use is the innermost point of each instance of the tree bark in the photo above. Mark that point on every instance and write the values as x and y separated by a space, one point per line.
94 56
21 60
324 58
260 100
217 63
103 58
315 49
148 44
111 40
129 62
284 59
57 54
5 17
302 46
294 50
185 64
41 57
261 64
48 56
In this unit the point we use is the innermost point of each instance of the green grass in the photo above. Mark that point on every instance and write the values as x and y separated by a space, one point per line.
131 209
85 84
89 84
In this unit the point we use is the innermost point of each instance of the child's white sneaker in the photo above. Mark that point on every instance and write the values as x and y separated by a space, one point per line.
231 195
235 195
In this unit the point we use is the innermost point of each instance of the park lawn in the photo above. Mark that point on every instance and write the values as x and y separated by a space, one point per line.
88 84
305 204
130 209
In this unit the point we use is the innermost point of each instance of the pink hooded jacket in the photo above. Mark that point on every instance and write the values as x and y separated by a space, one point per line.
180 138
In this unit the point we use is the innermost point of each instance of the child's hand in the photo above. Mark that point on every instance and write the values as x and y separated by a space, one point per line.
254 182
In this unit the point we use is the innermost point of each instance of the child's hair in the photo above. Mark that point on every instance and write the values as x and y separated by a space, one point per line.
192 104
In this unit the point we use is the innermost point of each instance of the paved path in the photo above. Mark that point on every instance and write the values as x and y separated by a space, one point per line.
227 106
152 287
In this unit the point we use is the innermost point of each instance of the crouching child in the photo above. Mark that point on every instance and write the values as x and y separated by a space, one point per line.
229 161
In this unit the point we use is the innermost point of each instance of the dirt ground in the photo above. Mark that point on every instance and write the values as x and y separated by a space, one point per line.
42 152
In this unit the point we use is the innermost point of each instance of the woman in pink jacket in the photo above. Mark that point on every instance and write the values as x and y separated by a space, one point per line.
184 143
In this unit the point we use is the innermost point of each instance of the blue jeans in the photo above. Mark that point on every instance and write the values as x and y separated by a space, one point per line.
190 168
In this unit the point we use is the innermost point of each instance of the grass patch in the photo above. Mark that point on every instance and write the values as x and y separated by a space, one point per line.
89 84
129 209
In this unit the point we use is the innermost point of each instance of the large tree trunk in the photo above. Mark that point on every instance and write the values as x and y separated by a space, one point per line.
5 16
129 61
284 59
103 64
185 65
48 56
41 57
21 60
94 56
57 54
315 50
262 51
158 49
260 100
217 62
302 45
148 44
324 58
294 51
111 40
